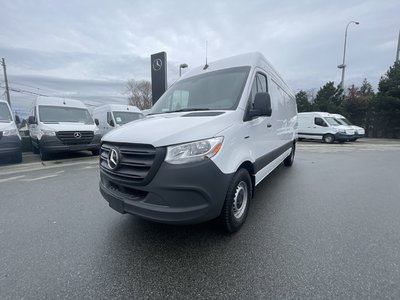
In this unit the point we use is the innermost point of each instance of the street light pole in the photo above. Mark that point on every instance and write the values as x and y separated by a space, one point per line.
343 65
182 66
3 63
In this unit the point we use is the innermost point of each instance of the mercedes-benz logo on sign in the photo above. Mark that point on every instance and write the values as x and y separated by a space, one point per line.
157 64
77 135
113 159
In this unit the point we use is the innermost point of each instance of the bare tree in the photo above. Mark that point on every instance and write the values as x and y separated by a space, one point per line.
139 93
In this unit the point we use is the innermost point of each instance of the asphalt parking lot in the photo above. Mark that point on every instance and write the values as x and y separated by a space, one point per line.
328 227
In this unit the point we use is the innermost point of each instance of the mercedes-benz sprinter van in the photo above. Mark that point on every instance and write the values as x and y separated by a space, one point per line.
359 132
59 125
111 116
10 140
323 126
206 143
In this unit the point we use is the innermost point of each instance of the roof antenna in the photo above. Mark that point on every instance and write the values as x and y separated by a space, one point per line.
206 65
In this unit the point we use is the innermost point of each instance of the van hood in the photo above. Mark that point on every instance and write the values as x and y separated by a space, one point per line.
6 125
69 126
172 128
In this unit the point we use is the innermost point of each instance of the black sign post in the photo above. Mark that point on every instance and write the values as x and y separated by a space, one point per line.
158 75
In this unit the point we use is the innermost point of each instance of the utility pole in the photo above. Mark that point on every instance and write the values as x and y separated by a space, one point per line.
398 48
6 81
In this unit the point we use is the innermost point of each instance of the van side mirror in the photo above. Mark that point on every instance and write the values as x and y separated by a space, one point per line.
96 121
261 106
111 122
17 120
32 120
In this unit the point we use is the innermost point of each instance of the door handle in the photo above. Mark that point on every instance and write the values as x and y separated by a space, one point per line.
269 125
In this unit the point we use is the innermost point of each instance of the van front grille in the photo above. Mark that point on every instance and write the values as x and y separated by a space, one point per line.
75 137
137 163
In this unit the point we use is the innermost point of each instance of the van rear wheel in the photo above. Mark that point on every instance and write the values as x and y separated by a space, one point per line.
290 159
237 201
328 138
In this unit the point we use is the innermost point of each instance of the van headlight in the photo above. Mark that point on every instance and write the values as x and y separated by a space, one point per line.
193 151
48 132
10 132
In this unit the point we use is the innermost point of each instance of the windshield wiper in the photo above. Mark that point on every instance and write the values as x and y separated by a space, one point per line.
187 109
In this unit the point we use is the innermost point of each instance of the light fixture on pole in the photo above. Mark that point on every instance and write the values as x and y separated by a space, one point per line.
182 66
343 65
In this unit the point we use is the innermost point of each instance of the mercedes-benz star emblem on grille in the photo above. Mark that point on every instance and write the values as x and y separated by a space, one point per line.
157 64
113 159
77 135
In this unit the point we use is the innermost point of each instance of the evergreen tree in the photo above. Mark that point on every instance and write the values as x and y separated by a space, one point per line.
386 105
329 99
303 105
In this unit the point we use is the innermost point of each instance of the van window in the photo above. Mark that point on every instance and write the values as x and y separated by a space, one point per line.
259 86
213 90
56 114
5 115
320 122
332 121
123 117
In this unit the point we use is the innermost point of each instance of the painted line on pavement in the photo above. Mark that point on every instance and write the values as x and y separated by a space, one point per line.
39 178
12 178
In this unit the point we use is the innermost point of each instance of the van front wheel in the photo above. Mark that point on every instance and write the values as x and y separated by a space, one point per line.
328 138
236 206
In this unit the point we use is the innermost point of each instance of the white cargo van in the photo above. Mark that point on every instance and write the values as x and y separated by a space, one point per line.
111 116
10 140
204 146
59 125
359 132
322 126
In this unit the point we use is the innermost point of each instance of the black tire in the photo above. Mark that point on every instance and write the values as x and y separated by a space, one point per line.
34 149
44 155
288 162
328 138
237 201
17 157
95 152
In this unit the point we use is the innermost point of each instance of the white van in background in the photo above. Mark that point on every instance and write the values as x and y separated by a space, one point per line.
323 126
111 116
207 142
10 140
359 131
59 125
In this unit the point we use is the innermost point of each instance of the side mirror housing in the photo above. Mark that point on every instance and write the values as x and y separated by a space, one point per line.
261 107
17 119
96 121
111 123
32 120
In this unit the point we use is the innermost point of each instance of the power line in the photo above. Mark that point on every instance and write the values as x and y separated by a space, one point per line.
24 91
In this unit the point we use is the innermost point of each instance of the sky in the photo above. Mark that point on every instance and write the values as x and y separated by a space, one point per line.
89 49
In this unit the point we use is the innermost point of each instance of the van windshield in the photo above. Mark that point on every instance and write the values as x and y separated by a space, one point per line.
56 114
123 117
332 121
340 121
218 90
5 115
346 122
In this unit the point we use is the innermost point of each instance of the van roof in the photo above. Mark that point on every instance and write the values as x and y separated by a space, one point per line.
56 101
321 113
119 107
253 59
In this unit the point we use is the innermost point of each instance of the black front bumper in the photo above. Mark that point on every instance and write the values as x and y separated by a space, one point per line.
343 137
178 194
10 145
53 144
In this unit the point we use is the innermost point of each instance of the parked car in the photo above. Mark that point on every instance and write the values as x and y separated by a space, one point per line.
206 143
111 116
59 125
10 140
322 126
359 132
